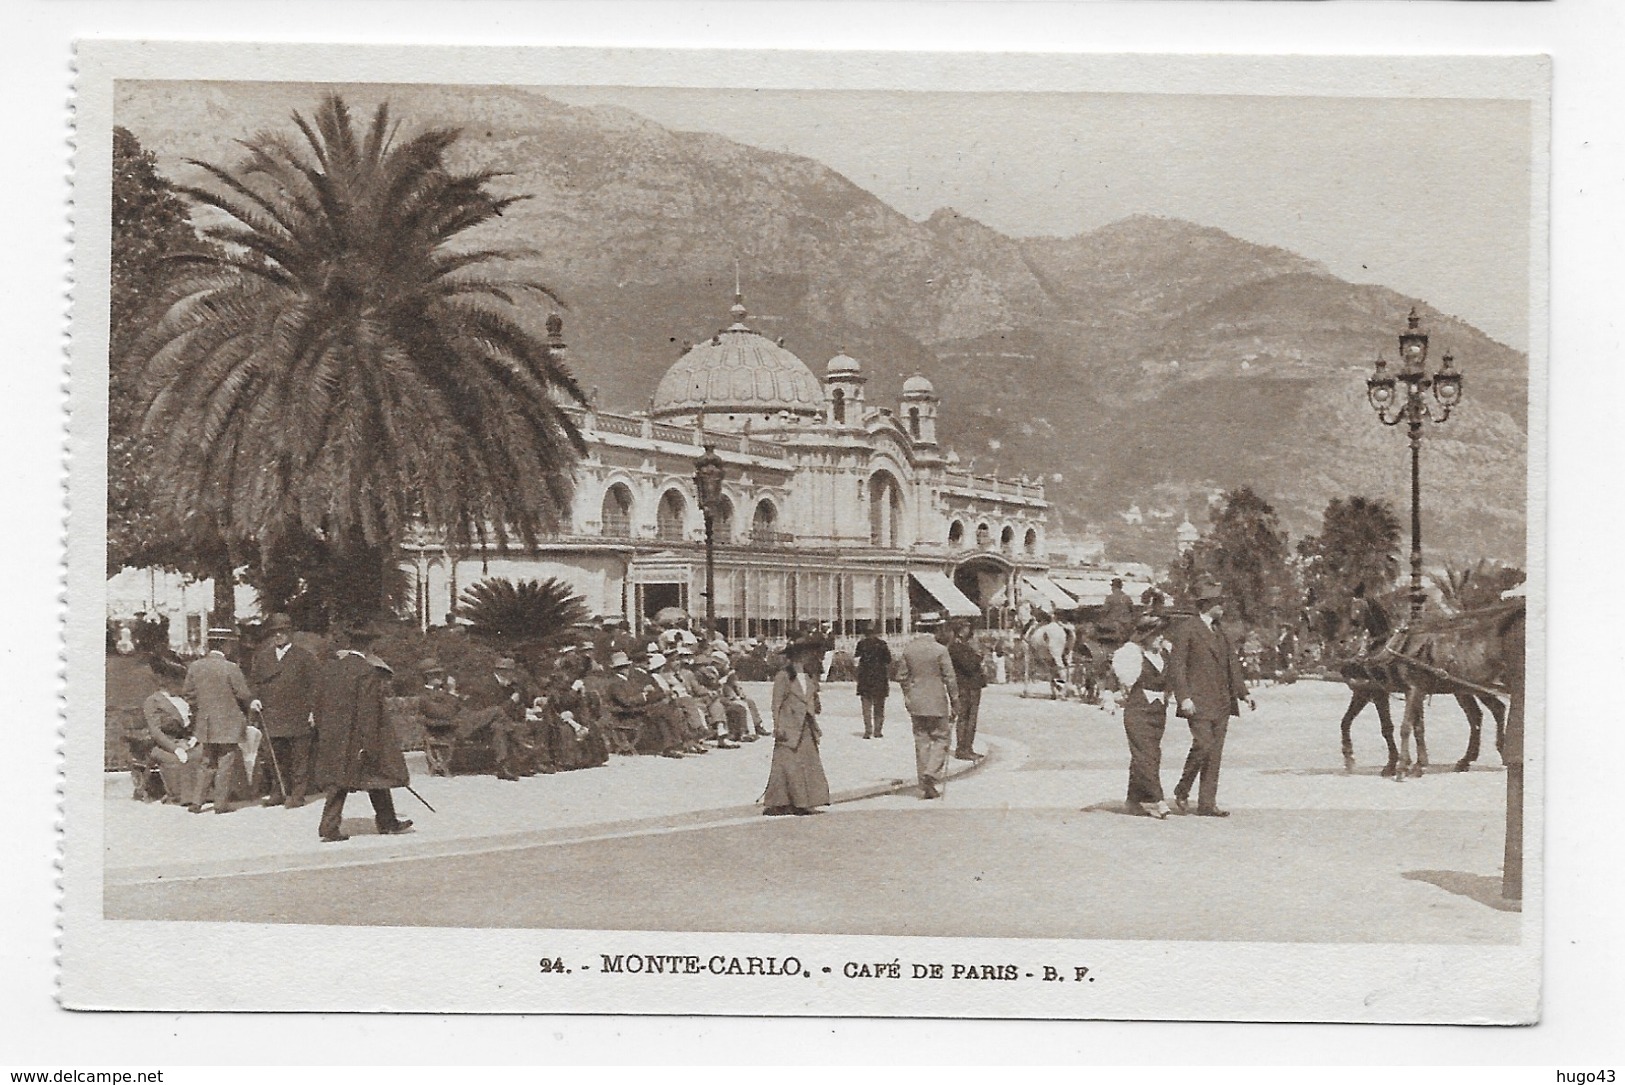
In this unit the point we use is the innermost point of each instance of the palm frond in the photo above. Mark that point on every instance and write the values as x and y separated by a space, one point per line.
348 363
530 611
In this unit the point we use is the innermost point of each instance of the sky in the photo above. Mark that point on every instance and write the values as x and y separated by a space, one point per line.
1430 197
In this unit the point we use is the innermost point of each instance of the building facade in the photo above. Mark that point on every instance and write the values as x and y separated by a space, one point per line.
835 509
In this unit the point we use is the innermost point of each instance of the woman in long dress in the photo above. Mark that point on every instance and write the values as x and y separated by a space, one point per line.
796 783
1141 665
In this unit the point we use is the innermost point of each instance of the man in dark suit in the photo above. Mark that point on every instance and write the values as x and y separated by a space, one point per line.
499 703
285 684
874 679
967 661
1208 686
356 745
1117 617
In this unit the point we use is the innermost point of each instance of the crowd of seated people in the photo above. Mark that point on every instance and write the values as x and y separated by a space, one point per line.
667 691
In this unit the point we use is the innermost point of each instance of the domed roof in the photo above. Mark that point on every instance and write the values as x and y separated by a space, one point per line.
917 385
842 363
739 371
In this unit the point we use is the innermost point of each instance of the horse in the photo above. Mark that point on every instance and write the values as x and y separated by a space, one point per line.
1462 655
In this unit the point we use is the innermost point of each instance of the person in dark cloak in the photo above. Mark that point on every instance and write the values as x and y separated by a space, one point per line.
356 745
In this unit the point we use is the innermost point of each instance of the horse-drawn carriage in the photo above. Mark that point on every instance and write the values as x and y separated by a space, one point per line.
1471 656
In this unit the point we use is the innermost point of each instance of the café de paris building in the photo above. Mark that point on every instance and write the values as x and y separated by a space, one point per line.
834 509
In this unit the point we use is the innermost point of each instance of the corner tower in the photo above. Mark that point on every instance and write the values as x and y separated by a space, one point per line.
843 390
917 410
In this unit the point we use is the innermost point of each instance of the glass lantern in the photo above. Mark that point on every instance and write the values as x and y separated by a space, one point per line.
1447 383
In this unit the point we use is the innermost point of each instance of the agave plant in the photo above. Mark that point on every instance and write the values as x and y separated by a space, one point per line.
529 612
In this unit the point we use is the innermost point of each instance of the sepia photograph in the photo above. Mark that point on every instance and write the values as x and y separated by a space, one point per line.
1056 524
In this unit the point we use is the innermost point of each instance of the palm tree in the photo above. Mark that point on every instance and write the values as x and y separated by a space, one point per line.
350 363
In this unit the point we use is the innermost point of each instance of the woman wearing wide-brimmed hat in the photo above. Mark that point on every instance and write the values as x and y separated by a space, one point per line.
1141 666
797 783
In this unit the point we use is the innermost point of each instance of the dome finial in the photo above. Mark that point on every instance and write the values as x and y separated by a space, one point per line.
738 309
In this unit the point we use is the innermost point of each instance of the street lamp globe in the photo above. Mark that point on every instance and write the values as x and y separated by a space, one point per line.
1413 345
1447 384
1379 387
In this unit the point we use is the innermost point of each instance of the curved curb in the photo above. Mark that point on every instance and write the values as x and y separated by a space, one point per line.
405 849
898 787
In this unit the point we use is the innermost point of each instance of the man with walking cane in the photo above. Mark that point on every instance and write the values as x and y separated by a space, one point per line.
284 681
356 745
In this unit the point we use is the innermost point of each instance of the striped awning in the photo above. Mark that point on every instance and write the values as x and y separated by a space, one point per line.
1041 591
951 599
1091 591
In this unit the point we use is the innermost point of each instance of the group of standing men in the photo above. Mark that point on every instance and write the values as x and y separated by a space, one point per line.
324 723
940 672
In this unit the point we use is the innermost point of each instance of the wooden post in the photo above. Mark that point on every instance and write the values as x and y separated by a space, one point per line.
1512 755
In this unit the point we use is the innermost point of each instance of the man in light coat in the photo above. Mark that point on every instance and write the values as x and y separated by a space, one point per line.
219 697
1208 686
931 695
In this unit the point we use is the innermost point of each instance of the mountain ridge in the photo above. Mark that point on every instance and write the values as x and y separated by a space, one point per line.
1151 360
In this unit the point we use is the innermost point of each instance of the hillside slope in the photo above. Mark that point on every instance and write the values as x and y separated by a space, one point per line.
1150 361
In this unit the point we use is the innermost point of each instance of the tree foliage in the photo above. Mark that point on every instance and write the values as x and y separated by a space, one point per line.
346 363
530 612
1477 585
1358 545
1245 550
150 225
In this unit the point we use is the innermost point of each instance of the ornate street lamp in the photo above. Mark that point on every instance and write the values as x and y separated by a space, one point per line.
708 484
1401 397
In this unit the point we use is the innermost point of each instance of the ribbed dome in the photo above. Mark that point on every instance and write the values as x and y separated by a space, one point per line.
919 386
740 372
840 364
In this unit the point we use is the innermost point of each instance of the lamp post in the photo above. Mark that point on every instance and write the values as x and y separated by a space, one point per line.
1409 404
708 484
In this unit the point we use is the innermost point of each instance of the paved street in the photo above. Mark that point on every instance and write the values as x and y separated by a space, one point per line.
1033 843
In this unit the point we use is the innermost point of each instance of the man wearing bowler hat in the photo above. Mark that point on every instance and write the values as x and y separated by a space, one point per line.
284 676
1209 687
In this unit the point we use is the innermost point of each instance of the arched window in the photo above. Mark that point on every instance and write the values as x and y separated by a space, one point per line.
914 423
1030 543
670 519
763 522
838 401
617 512
984 534
956 534
1007 539
885 511
722 526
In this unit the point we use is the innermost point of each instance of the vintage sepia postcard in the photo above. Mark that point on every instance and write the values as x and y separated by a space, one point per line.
1049 536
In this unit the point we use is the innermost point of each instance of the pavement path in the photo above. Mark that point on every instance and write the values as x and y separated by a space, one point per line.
1035 843
156 841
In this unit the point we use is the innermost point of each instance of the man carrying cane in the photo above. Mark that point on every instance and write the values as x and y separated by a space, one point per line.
356 745
284 681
